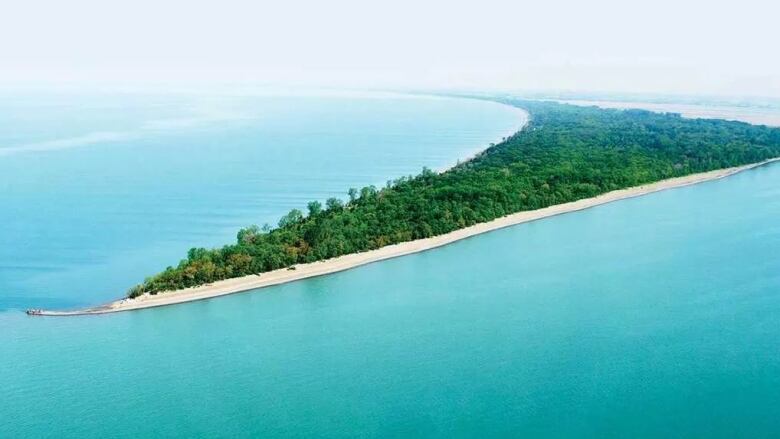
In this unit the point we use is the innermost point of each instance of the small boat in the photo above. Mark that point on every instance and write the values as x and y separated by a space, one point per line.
34 312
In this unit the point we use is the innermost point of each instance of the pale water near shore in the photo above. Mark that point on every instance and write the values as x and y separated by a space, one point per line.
651 317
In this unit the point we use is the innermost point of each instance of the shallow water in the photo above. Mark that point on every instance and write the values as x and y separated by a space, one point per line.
654 317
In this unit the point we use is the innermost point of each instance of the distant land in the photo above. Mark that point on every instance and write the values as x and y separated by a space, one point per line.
566 158
745 102
757 115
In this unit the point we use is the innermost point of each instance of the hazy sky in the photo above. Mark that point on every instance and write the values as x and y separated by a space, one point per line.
713 47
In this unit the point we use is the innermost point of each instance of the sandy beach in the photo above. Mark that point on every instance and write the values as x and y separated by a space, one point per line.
346 262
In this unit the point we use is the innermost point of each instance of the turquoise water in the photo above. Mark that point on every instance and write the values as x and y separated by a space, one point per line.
99 191
651 317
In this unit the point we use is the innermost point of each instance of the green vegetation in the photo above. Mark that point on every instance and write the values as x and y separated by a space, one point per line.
564 154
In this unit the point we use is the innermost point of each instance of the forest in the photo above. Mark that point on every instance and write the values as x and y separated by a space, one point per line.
565 153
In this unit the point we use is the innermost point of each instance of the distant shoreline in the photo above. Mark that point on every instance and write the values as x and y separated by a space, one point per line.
754 116
346 262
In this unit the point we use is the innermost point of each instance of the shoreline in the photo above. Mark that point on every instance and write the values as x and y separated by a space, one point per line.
346 262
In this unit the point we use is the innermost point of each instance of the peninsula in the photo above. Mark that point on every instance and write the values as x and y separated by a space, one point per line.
566 158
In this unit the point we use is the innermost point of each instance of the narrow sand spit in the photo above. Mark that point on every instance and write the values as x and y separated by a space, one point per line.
346 262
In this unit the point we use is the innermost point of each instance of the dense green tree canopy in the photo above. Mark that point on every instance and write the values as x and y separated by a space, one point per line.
565 153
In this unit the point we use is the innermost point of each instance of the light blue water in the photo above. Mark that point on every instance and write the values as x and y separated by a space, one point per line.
98 191
651 317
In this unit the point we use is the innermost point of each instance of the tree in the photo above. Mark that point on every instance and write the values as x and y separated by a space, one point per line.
315 207
334 204
367 192
248 234
295 216
195 254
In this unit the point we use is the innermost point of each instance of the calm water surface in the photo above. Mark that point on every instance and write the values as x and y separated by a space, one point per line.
651 317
